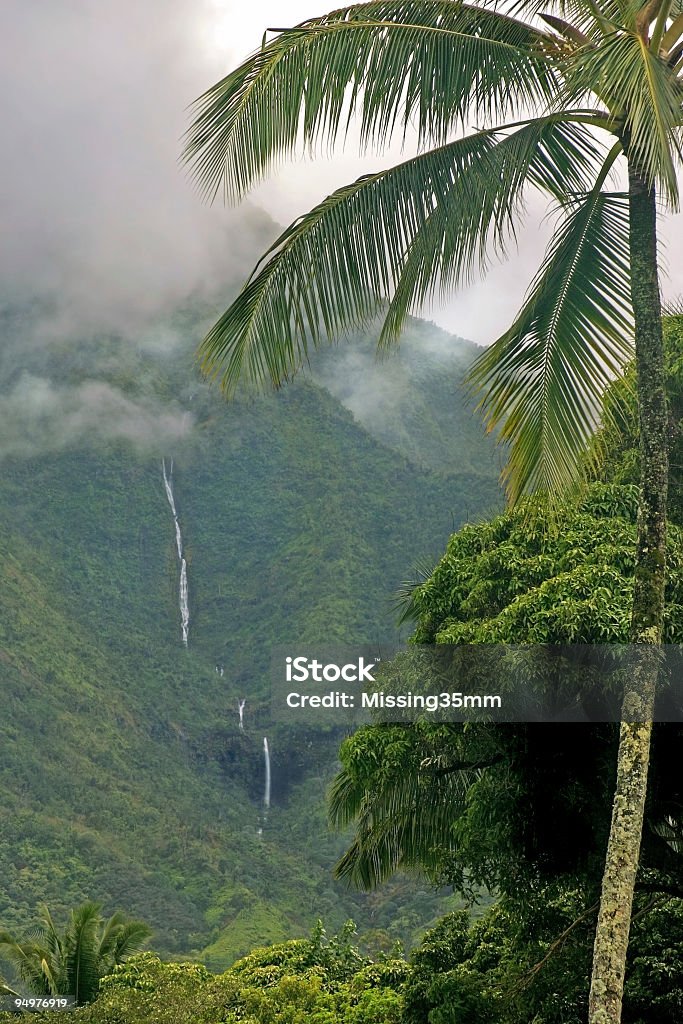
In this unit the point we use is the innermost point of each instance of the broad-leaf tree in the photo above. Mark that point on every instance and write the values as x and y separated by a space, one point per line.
72 961
536 798
566 96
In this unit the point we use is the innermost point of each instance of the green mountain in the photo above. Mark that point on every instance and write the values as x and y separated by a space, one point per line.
413 398
124 774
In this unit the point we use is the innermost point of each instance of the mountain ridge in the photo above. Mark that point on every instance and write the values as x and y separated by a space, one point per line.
124 771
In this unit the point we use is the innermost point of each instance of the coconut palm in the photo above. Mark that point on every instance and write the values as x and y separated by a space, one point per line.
73 961
566 96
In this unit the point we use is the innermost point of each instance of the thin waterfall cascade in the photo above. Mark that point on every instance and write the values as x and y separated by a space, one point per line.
167 486
183 601
183 598
266 759
169 494
240 708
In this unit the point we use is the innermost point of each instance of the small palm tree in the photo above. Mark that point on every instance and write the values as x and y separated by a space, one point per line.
73 961
5 990
566 92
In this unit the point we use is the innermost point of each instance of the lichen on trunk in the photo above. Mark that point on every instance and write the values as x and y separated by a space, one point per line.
623 848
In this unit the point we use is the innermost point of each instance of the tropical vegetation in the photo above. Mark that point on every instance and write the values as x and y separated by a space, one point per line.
524 809
124 772
567 95
74 960
515 964
532 827
320 979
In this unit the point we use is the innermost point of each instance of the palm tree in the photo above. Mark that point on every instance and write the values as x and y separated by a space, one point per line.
567 94
72 962
5 990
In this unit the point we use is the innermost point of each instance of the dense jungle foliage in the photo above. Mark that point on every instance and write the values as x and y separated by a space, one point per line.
520 811
124 775
524 809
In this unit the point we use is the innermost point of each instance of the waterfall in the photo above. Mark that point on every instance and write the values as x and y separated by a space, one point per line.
240 708
171 501
266 792
184 606
183 593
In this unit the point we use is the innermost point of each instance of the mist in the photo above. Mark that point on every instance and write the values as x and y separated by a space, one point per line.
39 417
98 214
103 232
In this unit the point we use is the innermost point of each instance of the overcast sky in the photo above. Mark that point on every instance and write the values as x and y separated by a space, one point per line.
93 205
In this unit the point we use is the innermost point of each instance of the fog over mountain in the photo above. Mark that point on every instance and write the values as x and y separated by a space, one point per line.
97 213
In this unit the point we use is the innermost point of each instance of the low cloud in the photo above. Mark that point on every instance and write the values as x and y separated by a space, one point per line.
99 217
38 416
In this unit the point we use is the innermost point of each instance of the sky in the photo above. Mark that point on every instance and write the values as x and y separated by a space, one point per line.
96 211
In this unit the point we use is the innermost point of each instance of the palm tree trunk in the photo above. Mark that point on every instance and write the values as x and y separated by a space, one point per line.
623 848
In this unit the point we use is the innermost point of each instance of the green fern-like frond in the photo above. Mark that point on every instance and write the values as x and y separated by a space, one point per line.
398 63
639 87
403 804
335 267
82 964
543 380
480 215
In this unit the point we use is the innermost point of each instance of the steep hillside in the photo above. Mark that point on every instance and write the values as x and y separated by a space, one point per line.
413 398
123 772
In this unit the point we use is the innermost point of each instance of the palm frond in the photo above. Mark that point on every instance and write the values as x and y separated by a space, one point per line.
50 976
403 800
394 63
404 597
5 990
30 962
81 951
405 822
670 831
405 593
592 18
335 267
639 86
47 932
131 938
477 217
673 307
671 37
110 933
543 380
73 961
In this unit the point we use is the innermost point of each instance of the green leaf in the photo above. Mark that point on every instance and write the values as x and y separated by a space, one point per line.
404 805
81 951
543 380
640 87
430 64
478 216
335 268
